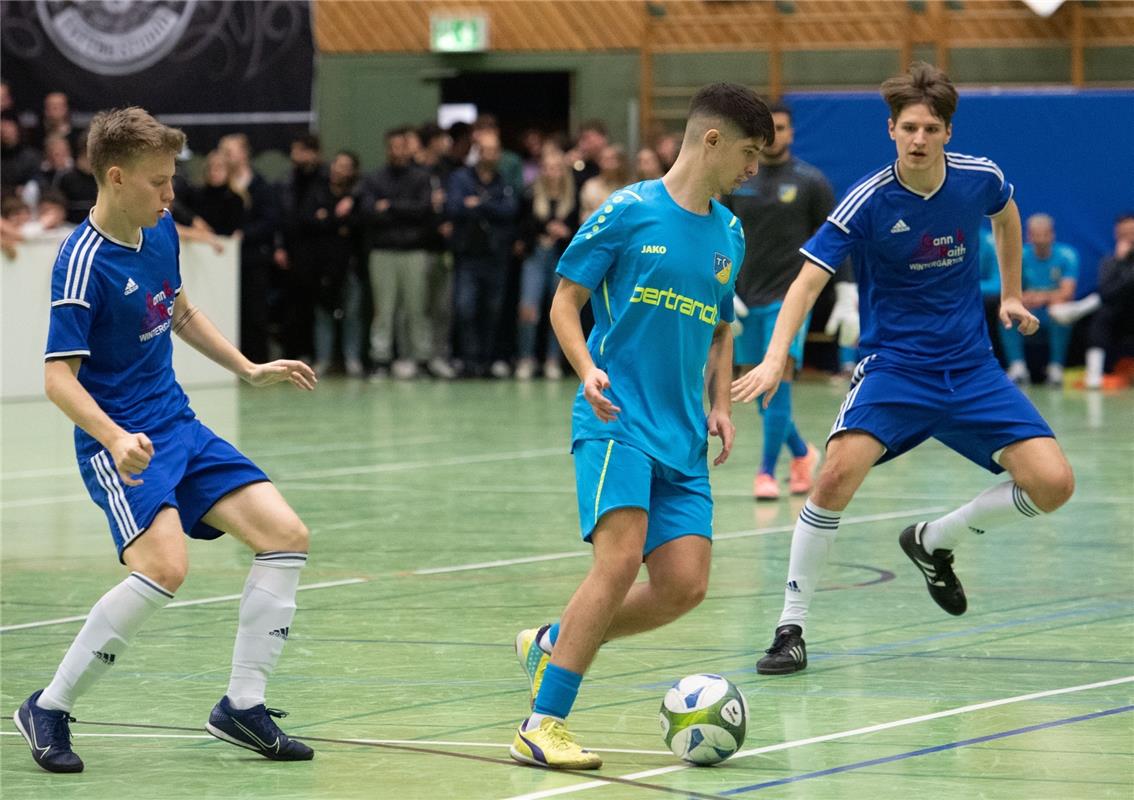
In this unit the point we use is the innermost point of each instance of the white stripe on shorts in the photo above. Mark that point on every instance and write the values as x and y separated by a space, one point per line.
115 495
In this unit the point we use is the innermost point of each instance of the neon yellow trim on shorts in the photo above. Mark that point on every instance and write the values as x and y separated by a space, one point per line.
602 477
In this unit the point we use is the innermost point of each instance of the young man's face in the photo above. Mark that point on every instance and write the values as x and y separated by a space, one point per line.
142 188
738 159
784 136
920 137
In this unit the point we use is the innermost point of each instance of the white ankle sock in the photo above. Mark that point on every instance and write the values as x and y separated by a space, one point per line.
266 610
102 640
535 719
1096 359
1003 504
815 532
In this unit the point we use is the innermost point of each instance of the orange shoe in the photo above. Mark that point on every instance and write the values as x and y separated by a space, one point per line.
765 487
802 476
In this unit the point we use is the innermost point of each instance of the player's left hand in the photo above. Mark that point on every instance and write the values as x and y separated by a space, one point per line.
1013 313
720 424
300 375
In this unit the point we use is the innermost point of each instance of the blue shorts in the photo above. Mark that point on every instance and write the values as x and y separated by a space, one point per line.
977 411
191 469
752 343
611 475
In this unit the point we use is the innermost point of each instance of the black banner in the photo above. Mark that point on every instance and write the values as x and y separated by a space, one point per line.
208 66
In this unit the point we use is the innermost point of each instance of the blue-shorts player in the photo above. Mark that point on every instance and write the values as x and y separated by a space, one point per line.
658 262
153 468
912 229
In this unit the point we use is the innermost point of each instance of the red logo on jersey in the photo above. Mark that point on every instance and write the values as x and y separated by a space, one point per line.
159 312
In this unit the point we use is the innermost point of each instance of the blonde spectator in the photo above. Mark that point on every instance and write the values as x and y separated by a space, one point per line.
648 164
613 174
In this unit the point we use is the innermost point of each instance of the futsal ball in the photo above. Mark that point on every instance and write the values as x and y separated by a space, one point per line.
703 719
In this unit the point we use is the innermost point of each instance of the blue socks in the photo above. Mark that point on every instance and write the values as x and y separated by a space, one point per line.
557 693
779 429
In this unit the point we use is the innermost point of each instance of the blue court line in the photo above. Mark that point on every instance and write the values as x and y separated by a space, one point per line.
927 750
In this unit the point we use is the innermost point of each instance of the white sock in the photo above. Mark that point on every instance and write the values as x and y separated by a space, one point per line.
535 719
1003 504
544 641
1096 359
266 611
102 640
811 540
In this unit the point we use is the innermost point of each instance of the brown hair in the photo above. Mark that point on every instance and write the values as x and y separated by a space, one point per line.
922 83
121 135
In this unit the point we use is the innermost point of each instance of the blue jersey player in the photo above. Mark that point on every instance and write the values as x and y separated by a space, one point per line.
658 262
153 468
912 229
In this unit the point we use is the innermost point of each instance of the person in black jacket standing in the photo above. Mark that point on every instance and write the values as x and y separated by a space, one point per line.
397 204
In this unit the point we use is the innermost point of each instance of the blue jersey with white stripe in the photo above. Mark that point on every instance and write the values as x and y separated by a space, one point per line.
112 305
917 261
661 279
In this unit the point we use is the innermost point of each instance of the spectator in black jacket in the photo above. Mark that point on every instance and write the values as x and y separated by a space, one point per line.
398 206
18 162
299 278
78 185
547 223
483 207
1114 319
215 202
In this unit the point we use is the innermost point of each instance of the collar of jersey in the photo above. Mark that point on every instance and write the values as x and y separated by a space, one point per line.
911 190
136 248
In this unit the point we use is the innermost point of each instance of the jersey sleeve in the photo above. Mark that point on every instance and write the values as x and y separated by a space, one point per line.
598 242
74 297
1000 191
727 310
829 247
1070 263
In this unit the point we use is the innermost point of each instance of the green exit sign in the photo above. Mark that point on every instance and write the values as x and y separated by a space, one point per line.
451 34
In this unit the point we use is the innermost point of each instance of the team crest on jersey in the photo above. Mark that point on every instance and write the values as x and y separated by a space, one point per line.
722 267
788 192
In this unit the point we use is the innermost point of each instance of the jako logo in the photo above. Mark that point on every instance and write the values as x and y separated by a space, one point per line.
654 249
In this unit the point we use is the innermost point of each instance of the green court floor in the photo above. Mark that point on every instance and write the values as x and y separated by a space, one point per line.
443 520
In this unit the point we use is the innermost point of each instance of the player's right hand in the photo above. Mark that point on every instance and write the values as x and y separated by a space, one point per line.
594 385
131 453
763 379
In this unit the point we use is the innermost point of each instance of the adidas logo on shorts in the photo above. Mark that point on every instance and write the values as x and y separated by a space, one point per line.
900 227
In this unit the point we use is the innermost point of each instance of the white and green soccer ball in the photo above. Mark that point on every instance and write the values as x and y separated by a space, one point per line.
703 719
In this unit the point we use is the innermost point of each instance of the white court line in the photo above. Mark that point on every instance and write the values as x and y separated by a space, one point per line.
456 461
915 512
883 726
419 742
180 604
45 501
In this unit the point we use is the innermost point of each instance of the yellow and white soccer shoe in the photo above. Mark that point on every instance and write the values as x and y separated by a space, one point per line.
551 745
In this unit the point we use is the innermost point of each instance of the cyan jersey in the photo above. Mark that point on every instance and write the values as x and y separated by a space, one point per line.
661 279
917 261
1045 274
112 305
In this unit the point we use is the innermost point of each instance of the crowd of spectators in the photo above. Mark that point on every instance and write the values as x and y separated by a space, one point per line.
441 261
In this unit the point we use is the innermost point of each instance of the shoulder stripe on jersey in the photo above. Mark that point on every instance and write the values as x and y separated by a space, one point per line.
87 269
818 261
974 168
853 194
72 289
972 161
637 197
71 261
849 213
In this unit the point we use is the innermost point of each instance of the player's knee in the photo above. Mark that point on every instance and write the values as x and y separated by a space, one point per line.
294 537
831 487
169 575
1053 487
688 595
620 567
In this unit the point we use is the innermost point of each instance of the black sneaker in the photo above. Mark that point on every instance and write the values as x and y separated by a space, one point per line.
787 654
48 734
937 567
254 729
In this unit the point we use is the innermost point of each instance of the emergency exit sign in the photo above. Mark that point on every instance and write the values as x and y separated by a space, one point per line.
458 34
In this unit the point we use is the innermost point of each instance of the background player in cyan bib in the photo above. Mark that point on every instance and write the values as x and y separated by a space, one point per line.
658 262
154 469
913 230
780 206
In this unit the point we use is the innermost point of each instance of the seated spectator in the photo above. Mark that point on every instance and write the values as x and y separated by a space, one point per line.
18 162
648 165
78 186
1114 319
50 215
547 222
56 161
613 174
1050 272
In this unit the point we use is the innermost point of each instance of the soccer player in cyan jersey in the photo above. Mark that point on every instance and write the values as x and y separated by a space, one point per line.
912 229
780 206
658 263
153 468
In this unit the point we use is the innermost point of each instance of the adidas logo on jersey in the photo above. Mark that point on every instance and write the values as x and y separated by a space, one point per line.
131 287
900 227
105 658
280 632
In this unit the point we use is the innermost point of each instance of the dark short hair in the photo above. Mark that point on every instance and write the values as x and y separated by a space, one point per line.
921 84
308 141
460 130
428 132
1125 215
780 107
353 156
596 125
400 130
738 105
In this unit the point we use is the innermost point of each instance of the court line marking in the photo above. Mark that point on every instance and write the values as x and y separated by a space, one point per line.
829 737
402 466
924 751
433 743
720 537
181 604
